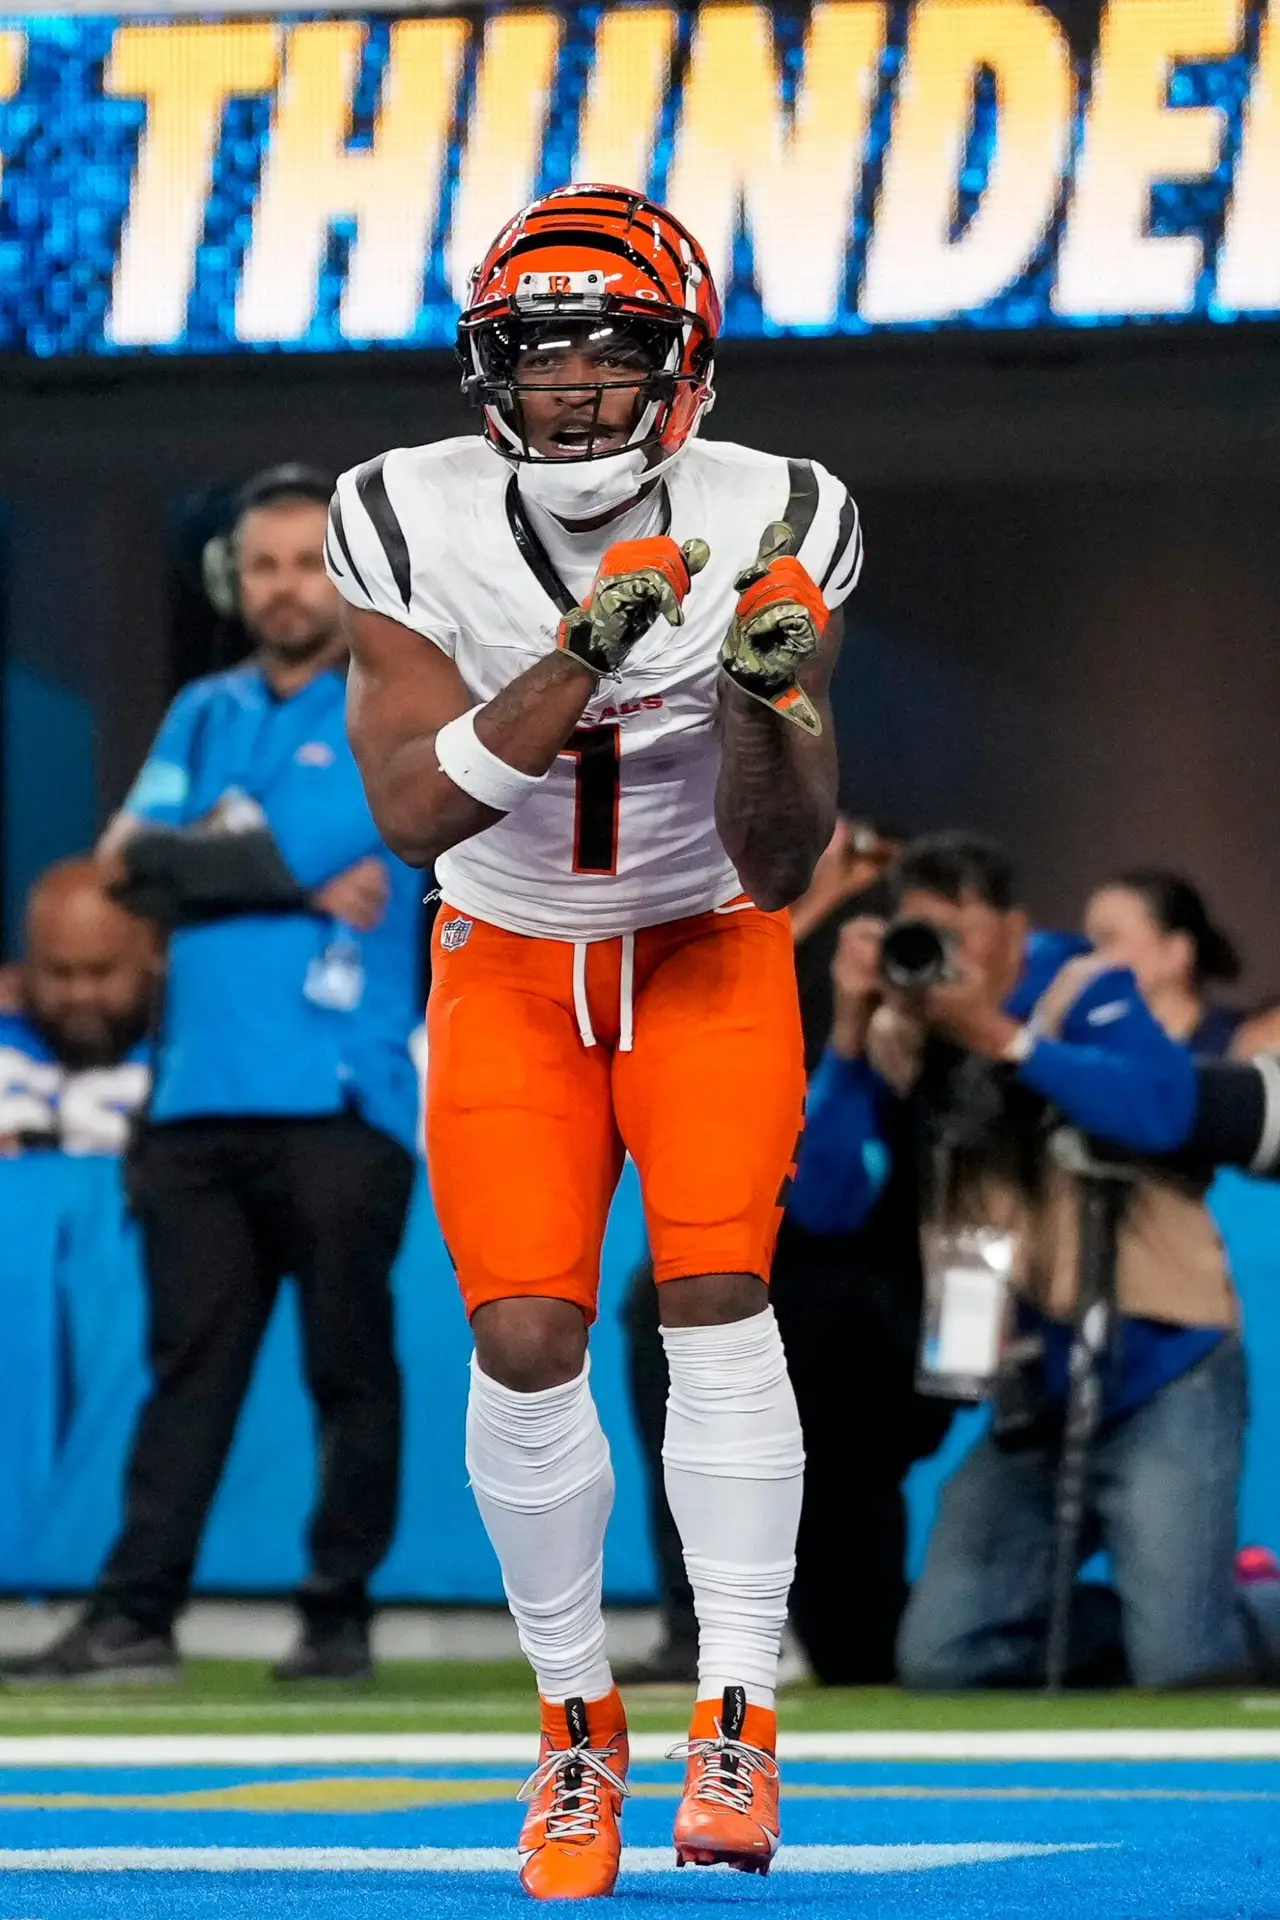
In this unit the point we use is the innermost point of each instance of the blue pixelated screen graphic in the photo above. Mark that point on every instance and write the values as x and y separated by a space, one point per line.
312 181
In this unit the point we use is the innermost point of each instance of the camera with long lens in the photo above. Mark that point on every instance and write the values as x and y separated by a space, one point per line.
916 955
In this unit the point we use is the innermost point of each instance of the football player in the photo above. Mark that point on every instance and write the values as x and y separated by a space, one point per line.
590 666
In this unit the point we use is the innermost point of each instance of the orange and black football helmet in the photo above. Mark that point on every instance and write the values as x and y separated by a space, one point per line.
608 258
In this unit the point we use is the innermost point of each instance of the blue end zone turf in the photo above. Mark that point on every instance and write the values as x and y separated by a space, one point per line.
968 1840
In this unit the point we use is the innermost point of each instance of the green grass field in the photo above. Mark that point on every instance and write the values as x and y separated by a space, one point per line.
236 1696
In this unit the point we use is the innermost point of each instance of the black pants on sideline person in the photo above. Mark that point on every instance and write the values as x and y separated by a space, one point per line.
849 1319
227 1209
849 1329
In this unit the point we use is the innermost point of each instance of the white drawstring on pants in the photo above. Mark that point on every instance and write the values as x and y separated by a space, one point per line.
580 1006
626 994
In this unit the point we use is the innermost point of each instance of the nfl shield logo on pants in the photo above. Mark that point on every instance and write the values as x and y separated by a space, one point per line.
455 933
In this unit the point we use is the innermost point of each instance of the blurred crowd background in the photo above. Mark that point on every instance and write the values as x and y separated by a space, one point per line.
235 1360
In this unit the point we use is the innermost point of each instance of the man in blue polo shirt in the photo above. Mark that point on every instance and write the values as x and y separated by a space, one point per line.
281 1128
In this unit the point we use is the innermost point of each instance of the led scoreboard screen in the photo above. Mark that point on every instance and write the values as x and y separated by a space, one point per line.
318 181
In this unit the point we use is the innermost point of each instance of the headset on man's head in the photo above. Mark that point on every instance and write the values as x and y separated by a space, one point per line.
219 569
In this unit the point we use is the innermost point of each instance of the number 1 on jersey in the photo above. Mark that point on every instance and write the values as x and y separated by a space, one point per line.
597 787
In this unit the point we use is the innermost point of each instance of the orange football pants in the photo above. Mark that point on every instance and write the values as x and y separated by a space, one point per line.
527 1123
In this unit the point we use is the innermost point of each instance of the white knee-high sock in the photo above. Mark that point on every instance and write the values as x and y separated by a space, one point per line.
540 1471
734 1461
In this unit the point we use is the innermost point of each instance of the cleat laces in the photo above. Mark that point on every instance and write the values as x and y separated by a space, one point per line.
575 1776
729 1768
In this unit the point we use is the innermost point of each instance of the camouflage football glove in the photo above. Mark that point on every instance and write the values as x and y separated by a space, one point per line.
635 583
778 625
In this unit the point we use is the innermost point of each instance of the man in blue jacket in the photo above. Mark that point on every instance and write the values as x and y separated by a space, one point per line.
280 1135
970 1078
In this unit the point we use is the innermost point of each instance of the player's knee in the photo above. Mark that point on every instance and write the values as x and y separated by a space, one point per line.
711 1299
529 1345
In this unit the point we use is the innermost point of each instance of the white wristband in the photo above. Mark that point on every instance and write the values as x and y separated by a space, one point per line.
478 771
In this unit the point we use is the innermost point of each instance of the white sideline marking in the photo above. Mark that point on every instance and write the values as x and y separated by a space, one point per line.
26 1708
818 1859
516 1749
1095 1743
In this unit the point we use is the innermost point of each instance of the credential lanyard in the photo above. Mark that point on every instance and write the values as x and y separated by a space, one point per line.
535 555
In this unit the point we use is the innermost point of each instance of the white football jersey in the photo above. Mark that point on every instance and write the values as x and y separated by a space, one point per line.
622 833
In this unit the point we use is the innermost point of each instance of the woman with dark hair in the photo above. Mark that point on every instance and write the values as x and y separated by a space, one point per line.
1157 924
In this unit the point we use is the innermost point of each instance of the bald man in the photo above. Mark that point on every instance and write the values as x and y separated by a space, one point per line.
89 967
73 1060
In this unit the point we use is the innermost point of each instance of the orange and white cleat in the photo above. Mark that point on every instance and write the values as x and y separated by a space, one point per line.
728 1813
571 1840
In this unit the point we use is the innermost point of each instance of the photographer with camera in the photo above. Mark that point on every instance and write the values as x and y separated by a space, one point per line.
848 1303
964 1049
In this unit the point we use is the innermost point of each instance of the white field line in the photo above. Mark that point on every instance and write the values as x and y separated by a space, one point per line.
31 1707
508 1749
818 1859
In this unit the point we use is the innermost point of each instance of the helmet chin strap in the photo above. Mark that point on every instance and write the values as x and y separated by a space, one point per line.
580 489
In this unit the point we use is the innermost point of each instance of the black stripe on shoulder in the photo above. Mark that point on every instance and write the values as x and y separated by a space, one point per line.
376 501
802 501
847 576
340 534
844 533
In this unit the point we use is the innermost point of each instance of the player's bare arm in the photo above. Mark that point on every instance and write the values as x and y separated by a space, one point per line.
402 690
776 795
406 699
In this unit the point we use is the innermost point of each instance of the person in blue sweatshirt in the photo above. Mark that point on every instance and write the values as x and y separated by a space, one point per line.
1032 1032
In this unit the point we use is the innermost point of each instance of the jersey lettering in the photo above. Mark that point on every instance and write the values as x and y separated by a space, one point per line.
649 704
